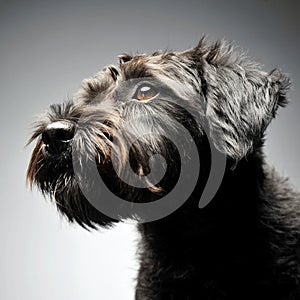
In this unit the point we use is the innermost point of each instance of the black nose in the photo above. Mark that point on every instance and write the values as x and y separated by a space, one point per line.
57 136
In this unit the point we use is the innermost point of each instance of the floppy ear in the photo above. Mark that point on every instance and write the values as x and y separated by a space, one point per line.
241 99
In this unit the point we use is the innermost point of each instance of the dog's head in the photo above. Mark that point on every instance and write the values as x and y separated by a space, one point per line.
158 105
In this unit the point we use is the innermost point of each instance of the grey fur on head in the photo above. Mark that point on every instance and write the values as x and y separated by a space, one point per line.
240 98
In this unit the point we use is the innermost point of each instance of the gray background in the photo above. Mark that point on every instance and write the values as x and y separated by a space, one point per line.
46 49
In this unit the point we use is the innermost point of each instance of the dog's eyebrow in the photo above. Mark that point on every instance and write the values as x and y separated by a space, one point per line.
113 72
135 69
123 58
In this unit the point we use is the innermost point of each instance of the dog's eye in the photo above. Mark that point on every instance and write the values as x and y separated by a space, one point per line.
145 92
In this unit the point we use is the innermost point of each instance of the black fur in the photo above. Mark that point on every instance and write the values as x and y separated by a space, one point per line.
245 243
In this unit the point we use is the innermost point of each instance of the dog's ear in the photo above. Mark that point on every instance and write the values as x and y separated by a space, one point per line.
241 99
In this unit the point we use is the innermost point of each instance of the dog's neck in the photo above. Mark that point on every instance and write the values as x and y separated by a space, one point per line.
225 239
235 204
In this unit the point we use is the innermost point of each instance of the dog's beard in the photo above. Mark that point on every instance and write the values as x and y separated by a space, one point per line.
112 140
54 174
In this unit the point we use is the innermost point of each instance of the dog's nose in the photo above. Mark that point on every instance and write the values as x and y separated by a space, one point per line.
57 136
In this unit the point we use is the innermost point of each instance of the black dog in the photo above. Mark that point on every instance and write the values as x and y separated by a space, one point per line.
244 243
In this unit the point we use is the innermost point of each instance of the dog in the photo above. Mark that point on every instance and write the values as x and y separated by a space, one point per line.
128 139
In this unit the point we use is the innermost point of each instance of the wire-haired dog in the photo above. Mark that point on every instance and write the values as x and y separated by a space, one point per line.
135 128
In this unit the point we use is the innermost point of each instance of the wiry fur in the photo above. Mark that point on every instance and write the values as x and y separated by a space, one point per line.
245 243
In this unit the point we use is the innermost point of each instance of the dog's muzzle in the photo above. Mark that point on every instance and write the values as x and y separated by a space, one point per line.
57 136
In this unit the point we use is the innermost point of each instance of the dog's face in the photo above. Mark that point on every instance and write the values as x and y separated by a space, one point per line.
122 117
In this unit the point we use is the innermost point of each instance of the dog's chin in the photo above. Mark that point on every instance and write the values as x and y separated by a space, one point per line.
73 204
54 175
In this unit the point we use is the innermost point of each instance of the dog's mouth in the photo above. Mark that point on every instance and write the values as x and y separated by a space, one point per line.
65 148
